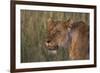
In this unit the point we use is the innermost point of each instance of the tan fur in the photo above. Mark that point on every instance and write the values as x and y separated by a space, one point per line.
79 46
80 43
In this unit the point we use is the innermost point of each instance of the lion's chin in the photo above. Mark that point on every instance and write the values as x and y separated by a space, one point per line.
52 51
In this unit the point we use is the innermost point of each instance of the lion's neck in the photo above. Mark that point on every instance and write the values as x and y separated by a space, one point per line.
67 41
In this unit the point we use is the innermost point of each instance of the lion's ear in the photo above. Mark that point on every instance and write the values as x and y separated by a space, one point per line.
50 20
69 23
50 23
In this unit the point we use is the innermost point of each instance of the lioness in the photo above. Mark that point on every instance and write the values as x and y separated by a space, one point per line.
73 36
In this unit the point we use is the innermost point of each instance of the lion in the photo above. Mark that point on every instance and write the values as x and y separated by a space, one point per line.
72 35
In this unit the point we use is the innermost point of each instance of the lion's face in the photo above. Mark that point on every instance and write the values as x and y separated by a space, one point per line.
57 35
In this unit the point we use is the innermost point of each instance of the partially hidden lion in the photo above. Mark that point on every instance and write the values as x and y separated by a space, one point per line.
72 35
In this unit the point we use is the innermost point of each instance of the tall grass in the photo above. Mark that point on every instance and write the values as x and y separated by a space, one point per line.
34 31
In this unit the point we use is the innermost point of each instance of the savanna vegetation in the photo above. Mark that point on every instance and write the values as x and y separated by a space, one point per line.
34 32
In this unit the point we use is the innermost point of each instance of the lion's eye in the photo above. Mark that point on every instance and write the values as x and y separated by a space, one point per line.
58 31
54 33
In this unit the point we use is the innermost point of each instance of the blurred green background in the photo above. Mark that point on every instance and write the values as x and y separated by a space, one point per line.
34 32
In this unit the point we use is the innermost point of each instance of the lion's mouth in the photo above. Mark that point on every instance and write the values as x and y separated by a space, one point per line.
53 50
51 47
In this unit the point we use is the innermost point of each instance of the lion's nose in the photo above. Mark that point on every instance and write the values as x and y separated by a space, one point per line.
48 41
